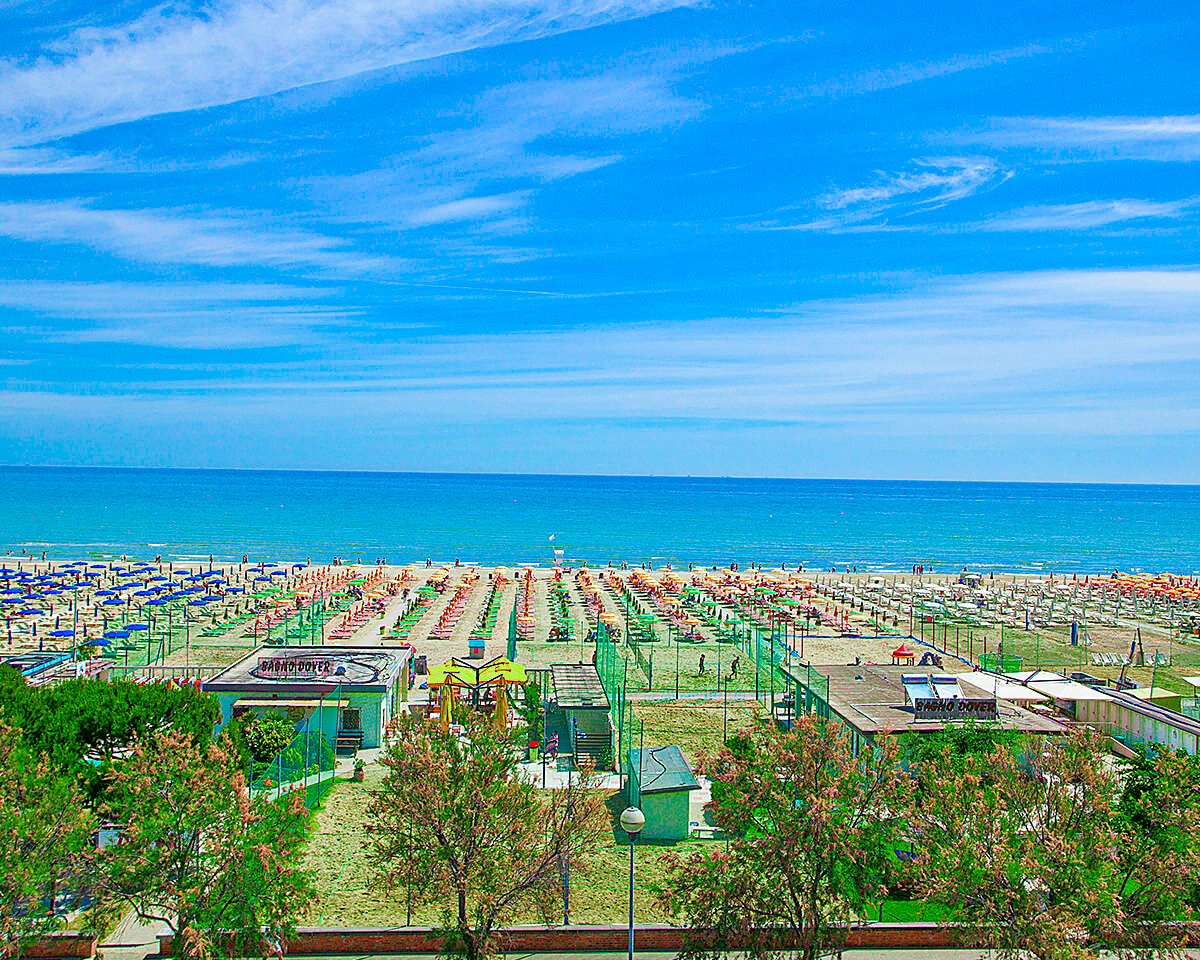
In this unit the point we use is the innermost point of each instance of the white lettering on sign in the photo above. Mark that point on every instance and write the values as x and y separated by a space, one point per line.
294 667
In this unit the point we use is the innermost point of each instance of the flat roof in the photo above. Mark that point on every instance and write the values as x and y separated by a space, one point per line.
290 702
1057 686
577 686
1152 693
999 687
36 661
870 698
305 670
663 769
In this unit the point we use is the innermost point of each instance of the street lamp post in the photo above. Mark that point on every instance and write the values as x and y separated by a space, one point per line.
725 714
632 822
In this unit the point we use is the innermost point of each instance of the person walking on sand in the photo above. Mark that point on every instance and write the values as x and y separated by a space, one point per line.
701 664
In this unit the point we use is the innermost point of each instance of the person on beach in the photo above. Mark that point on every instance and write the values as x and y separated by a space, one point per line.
701 664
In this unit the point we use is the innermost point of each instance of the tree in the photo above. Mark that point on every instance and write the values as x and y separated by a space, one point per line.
1157 880
81 726
267 735
811 829
931 751
46 845
1023 849
453 823
217 865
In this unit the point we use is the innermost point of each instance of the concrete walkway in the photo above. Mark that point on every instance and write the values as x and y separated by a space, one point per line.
132 939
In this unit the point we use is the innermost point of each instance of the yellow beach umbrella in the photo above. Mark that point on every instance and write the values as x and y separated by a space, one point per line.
501 716
447 706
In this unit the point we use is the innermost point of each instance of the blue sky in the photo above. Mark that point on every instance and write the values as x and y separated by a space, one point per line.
593 236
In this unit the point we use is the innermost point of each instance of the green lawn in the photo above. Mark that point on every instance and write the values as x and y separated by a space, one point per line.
350 896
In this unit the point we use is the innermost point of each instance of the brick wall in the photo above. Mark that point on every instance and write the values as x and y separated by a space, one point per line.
62 946
660 938
324 941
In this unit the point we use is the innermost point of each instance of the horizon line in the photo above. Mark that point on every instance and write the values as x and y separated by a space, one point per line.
613 476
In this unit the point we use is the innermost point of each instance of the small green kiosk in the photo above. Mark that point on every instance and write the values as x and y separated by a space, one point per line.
663 779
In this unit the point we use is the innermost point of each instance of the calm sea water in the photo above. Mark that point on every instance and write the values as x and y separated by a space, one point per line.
511 519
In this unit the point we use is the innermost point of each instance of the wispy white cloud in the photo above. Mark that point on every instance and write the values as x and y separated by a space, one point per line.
172 236
1087 215
1070 353
177 58
899 75
193 316
932 183
523 134
23 161
1164 138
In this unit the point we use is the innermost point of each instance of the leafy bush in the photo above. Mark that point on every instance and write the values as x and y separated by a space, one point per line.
269 734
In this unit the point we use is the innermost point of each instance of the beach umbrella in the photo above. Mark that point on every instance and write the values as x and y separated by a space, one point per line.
113 602
136 626
62 633
99 642
447 708
156 603
117 635
29 612
500 718
143 593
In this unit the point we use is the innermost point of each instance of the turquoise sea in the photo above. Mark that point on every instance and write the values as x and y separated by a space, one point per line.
85 512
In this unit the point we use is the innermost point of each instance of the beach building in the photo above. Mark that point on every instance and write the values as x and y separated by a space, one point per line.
349 693
1068 695
37 666
872 699
1159 696
577 711
1141 723
661 783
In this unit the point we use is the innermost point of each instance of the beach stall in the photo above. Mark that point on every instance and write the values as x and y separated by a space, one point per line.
662 779
350 693
1141 724
577 711
482 686
1067 694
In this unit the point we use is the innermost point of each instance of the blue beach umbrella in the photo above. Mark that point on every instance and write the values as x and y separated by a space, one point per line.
197 603
117 635
136 626
30 612
113 602
156 603
100 642
62 633
143 593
